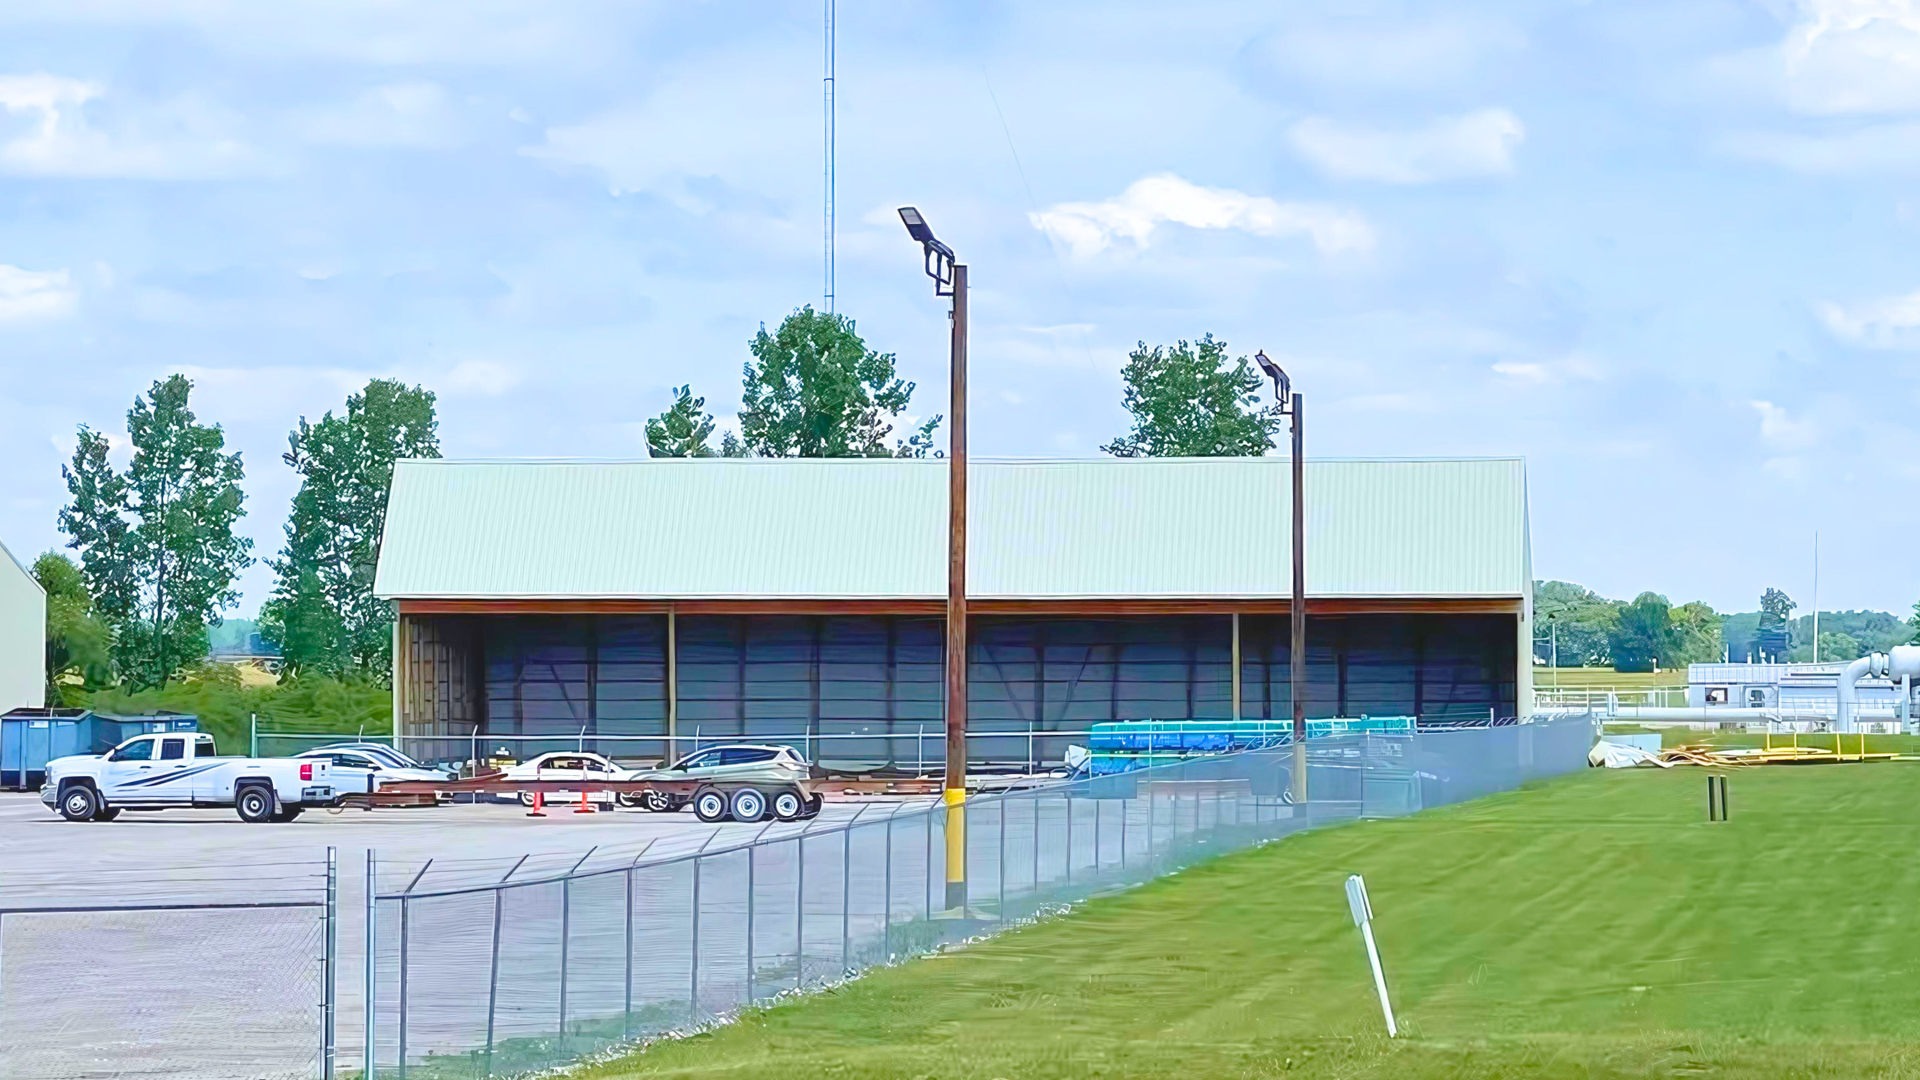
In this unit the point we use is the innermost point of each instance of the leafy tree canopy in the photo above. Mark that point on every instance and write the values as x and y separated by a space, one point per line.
814 389
683 430
1644 635
322 614
79 642
156 542
1191 401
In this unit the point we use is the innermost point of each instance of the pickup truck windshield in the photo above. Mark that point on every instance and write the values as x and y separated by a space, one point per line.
138 751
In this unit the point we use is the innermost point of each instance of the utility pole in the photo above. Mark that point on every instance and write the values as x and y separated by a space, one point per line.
950 279
1290 406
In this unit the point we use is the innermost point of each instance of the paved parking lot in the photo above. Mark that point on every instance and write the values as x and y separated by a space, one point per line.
199 994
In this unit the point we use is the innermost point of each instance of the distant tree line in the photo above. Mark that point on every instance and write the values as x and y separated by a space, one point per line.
1590 630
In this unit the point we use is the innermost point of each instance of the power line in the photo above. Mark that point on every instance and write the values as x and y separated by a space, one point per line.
829 110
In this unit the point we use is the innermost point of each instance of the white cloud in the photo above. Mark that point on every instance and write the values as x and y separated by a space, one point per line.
1088 228
412 114
1573 366
1888 323
1394 53
1778 428
1893 147
1853 56
30 294
53 135
1522 372
1478 143
487 378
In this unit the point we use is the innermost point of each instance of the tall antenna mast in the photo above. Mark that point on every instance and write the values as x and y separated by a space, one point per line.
828 81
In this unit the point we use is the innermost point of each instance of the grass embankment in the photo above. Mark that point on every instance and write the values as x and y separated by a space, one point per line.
1595 926
223 705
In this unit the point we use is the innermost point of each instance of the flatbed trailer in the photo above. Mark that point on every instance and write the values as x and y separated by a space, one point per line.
831 785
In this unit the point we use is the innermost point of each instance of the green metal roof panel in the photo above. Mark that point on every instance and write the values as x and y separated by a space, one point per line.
876 528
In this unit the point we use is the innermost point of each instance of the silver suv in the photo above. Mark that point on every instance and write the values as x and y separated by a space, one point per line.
777 773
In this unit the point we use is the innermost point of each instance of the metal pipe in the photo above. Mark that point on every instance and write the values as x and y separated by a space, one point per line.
1297 652
566 935
493 976
401 1055
330 963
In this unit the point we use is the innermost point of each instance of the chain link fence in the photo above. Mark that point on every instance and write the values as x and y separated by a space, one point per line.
152 989
534 970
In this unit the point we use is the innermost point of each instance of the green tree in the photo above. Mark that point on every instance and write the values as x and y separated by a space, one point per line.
156 542
683 430
1188 402
323 615
1644 635
1575 623
1835 645
79 643
814 389
1697 637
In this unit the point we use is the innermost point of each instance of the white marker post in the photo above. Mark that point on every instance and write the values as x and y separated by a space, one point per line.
1363 918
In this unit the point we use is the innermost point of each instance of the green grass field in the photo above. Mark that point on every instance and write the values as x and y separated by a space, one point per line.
1594 926
1581 677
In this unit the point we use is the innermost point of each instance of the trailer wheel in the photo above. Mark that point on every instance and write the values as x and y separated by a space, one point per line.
814 804
788 805
626 799
660 802
710 805
287 814
526 798
79 803
107 814
748 804
255 803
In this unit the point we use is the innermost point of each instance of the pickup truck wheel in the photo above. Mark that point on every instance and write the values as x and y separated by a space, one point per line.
79 803
255 803
788 805
710 805
660 802
748 805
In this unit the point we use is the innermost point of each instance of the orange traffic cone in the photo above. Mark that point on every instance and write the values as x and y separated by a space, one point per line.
539 805
585 807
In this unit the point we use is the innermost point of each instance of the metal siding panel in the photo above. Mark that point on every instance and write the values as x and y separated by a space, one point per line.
852 528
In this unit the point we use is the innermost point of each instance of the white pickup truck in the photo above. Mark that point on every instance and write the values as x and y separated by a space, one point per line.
180 769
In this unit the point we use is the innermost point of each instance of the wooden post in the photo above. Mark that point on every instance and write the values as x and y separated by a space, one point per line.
955 794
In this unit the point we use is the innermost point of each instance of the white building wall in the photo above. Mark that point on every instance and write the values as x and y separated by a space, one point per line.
23 636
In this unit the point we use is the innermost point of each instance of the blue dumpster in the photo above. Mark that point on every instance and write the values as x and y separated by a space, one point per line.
29 738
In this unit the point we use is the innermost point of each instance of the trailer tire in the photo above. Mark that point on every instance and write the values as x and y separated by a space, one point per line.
526 798
814 804
79 802
788 805
710 805
255 803
660 802
107 814
287 813
748 804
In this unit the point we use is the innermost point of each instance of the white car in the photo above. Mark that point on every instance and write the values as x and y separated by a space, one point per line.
360 769
570 765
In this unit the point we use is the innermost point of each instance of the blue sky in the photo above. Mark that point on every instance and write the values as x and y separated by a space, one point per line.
1662 249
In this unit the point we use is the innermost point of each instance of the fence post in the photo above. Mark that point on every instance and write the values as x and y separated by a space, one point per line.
1036 852
329 958
886 909
800 912
846 899
1002 877
1126 811
493 973
626 997
566 915
1069 801
370 1066
926 889
693 967
752 849
402 1059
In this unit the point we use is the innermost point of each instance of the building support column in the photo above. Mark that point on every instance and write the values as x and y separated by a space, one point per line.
400 671
1236 666
673 687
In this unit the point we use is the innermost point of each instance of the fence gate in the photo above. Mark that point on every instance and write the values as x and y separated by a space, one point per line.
236 991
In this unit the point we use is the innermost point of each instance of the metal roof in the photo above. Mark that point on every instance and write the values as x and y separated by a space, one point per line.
853 528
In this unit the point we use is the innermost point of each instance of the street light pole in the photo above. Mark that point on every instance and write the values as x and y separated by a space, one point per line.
1290 406
950 279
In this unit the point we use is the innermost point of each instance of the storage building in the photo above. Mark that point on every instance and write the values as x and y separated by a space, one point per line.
23 636
639 606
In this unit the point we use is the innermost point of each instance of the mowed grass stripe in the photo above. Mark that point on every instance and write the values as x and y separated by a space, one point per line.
1595 925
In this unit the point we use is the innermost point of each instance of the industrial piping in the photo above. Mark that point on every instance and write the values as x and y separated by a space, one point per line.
1902 664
